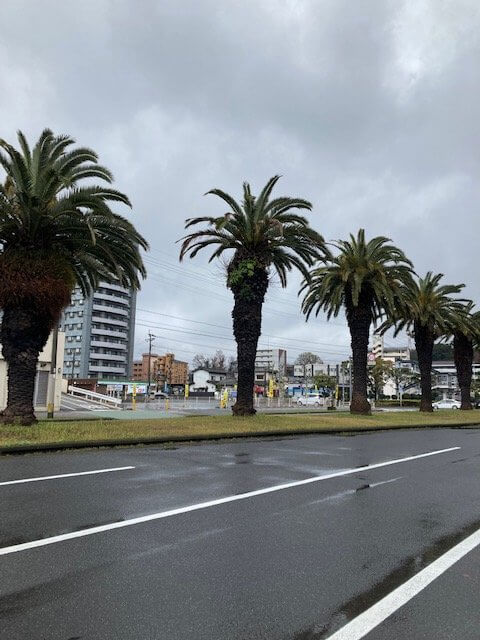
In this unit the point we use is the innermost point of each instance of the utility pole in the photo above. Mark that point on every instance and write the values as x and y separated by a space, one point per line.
150 340
53 375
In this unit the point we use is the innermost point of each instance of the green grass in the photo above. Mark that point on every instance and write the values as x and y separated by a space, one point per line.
98 431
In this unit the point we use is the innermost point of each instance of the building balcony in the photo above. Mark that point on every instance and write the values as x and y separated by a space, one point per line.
114 321
111 298
108 332
114 287
110 309
108 345
94 355
119 371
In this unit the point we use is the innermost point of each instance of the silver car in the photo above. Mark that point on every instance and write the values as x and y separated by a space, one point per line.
447 404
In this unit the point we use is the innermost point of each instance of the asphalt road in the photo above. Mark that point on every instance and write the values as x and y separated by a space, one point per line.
298 562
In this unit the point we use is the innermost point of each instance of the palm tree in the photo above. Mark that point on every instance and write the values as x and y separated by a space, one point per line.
263 235
426 307
363 278
55 233
464 326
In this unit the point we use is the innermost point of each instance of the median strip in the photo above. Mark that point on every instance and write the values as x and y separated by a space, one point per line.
58 435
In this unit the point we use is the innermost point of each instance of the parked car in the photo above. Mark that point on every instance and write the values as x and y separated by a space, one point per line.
159 395
447 404
310 399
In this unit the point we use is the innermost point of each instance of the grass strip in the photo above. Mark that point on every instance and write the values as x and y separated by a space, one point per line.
58 434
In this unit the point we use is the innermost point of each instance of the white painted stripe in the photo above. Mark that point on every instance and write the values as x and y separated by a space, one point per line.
64 475
360 626
377 484
211 503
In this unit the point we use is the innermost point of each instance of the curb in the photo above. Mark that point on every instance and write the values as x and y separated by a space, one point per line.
133 442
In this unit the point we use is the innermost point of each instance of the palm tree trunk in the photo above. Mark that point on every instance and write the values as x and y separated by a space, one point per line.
23 335
463 356
359 320
249 294
424 340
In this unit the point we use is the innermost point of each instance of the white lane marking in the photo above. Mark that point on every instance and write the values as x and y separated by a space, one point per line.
64 475
377 484
204 505
360 626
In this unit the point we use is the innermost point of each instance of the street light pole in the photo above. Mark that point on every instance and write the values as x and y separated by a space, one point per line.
150 341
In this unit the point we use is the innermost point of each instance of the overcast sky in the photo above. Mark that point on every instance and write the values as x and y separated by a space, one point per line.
371 110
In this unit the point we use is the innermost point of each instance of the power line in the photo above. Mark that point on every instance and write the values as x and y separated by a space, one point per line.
231 339
307 343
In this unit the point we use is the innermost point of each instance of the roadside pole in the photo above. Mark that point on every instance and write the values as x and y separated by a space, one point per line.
350 380
53 375
150 340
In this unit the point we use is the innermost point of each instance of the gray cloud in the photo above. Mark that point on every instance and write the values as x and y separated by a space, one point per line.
368 109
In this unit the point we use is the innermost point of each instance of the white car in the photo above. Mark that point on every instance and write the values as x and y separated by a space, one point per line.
447 404
310 399
158 395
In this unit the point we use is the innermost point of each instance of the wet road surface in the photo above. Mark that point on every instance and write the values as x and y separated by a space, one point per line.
298 562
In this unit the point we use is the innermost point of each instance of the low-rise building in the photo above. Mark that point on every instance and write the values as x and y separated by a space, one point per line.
47 383
207 380
444 378
164 369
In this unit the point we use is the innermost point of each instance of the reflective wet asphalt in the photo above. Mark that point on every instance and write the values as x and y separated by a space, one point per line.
297 563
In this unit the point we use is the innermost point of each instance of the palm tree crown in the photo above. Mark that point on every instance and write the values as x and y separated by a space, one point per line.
48 217
462 320
362 272
428 304
260 228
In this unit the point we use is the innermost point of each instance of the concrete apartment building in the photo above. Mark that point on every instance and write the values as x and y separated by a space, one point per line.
273 361
99 333
47 384
391 354
163 369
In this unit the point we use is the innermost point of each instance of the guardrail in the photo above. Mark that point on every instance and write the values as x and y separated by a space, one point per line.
85 394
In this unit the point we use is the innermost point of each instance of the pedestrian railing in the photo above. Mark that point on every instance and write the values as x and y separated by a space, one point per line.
85 394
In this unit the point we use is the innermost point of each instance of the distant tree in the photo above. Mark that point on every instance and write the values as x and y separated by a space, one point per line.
218 360
441 351
476 388
307 357
323 381
200 361
232 366
404 379
378 375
